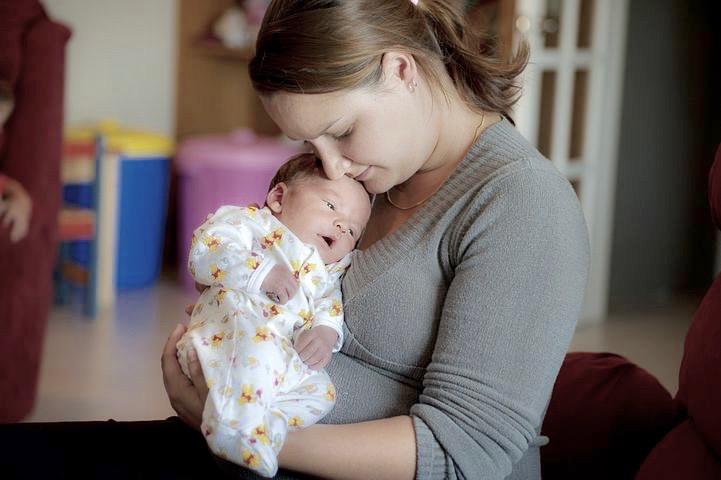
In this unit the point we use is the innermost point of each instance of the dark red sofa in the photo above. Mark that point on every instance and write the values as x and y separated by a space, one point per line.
32 58
610 419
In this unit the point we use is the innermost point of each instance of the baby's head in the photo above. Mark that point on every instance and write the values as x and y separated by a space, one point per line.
330 214
7 102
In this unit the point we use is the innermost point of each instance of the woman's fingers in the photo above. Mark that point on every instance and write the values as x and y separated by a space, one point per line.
169 361
183 394
196 374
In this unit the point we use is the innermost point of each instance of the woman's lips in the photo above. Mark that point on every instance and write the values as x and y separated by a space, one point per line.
364 174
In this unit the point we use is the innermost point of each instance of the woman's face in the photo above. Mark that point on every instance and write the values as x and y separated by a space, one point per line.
380 137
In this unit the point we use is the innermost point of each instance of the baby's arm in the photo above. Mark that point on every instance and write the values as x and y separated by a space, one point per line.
329 313
323 334
222 252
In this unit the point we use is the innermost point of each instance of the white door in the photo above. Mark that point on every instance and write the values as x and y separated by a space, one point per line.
570 109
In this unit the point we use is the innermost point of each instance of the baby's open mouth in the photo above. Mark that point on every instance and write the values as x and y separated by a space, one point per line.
327 240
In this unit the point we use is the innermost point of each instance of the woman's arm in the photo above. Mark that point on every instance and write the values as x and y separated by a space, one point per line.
379 449
520 262
187 396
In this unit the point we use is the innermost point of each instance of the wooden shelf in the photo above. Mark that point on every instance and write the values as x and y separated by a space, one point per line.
214 91
218 50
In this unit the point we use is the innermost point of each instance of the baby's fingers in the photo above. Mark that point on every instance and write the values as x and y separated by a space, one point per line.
302 340
282 295
308 352
318 360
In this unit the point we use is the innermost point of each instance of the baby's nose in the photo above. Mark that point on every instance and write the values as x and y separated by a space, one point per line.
340 228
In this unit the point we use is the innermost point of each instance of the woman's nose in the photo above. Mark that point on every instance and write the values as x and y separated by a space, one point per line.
335 164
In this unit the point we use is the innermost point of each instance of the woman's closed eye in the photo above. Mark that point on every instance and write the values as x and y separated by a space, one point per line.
345 134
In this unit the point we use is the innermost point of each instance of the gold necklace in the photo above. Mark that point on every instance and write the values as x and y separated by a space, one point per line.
475 137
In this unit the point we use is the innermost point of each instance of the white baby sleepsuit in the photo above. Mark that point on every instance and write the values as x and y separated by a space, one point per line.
259 388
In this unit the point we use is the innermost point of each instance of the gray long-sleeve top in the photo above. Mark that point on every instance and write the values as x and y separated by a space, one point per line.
461 317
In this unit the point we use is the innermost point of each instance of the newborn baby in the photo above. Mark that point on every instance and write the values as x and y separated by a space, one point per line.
273 312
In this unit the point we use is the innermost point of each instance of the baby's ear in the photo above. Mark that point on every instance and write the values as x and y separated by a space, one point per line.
275 197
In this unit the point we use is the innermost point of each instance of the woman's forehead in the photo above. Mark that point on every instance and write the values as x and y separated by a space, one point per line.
307 116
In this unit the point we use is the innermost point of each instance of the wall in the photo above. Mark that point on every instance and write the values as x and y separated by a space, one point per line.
121 61
663 237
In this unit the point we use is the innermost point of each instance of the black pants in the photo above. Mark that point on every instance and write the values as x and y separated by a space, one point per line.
162 449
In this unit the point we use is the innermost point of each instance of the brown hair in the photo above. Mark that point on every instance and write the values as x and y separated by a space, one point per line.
300 166
321 46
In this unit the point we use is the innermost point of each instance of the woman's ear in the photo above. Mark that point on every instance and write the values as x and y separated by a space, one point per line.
275 197
400 68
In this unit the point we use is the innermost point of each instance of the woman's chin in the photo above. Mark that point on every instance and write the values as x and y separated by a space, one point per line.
374 188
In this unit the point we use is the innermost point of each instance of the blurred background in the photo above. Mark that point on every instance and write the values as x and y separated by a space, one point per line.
140 119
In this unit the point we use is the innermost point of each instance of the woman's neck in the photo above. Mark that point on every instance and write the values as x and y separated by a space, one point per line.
458 127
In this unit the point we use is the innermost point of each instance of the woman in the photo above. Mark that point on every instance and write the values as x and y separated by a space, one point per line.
462 303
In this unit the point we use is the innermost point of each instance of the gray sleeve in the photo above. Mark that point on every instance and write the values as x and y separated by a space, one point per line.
520 269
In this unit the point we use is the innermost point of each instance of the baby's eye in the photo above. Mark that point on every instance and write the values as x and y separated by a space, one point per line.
350 230
330 205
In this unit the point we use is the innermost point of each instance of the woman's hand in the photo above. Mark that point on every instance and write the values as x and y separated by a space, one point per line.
187 396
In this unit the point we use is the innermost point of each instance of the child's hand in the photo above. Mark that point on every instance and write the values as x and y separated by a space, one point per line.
280 283
315 346
15 209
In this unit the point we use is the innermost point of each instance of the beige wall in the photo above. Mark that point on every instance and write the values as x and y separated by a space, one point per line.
121 61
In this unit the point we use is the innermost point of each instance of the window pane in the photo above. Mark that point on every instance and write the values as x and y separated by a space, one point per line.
578 115
585 23
545 122
551 23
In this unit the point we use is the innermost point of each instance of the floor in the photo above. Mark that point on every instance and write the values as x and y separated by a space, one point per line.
110 367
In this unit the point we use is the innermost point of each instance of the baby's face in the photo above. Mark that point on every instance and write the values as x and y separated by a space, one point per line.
330 214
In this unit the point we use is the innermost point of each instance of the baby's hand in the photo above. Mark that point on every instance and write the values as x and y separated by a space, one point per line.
315 346
280 283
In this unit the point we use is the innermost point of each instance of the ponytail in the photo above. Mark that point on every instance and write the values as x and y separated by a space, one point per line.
484 80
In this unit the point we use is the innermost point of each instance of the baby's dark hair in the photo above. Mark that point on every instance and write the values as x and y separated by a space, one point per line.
297 167
6 92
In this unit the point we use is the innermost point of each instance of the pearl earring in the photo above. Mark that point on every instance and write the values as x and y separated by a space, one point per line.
412 86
